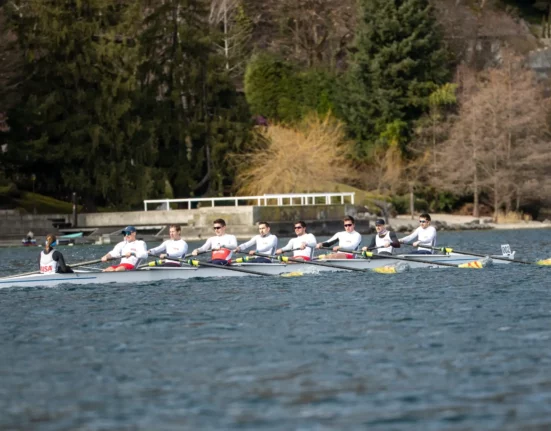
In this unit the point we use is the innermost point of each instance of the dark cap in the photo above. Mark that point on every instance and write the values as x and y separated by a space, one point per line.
379 222
128 229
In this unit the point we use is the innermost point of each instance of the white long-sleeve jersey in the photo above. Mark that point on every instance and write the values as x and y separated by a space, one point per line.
426 236
264 244
225 241
308 239
348 241
137 248
173 248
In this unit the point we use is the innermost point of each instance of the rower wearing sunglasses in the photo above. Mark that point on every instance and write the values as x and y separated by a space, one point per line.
349 240
221 244
130 250
303 245
425 235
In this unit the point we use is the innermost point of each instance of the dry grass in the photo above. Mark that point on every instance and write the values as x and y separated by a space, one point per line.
309 157
512 217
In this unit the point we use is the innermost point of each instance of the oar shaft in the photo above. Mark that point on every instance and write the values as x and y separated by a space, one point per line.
74 265
309 262
470 253
407 259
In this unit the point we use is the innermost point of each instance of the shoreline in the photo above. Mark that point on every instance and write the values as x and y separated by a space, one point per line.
401 224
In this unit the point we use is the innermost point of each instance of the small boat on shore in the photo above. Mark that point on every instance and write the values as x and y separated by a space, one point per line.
29 242
153 274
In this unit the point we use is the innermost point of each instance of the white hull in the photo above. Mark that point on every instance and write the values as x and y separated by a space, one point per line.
153 274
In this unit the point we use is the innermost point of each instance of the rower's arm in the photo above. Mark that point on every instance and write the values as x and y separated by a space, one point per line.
159 249
205 247
394 240
61 265
373 243
330 241
247 244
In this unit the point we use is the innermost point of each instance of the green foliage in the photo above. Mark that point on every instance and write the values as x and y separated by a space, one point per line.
74 128
280 91
398 62
401 204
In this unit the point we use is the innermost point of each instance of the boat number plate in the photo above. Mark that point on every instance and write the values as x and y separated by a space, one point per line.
505 249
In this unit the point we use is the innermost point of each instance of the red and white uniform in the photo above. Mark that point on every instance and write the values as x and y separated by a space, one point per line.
137 248
173 248
221 246
348 241
425 236
264 244
47 263
308 239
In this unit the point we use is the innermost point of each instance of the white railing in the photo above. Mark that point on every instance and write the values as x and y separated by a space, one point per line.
276 199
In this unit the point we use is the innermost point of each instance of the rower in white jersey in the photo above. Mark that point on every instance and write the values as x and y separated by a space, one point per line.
385 241
349 240
266 243
131 250
425 234
175 247
221 245
303 245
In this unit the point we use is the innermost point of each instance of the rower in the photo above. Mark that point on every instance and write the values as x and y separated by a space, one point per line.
131 250
174 247
385 241
266 243
303 245
349 240
51 261
425 234
221 245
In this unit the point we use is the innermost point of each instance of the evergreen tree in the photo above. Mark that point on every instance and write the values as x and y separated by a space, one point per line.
398 62
73 127
279 90
186 97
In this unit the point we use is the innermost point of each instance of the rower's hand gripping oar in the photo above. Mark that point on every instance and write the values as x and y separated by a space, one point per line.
74 265
545 262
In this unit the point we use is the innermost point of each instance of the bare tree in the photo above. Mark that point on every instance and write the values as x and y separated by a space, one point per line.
500 127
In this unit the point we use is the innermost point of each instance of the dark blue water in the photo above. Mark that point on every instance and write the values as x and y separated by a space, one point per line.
430 349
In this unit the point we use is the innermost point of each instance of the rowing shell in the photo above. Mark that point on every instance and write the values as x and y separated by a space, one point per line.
153 274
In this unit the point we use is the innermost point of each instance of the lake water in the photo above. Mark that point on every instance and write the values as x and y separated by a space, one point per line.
429 349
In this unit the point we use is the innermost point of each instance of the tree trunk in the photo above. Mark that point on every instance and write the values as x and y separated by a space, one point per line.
476 204
411 200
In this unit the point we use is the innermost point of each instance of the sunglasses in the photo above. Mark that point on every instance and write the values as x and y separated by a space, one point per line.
218 227
423 221
298 227
128 233
347 225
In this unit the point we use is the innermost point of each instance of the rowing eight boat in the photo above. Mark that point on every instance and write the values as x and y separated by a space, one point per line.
152 274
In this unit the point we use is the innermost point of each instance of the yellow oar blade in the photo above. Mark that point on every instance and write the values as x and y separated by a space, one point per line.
476 264
292 274
392 269
545 262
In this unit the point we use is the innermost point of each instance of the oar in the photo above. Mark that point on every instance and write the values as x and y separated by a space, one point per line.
524 262
474 264
309 262
160 261
74 265
198 263
344 251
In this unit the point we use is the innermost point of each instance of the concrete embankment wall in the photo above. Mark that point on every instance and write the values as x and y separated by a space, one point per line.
196 223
